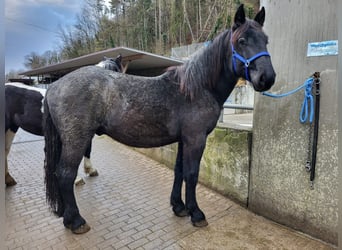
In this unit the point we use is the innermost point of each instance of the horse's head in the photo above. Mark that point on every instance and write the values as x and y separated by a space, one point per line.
112 64
250 58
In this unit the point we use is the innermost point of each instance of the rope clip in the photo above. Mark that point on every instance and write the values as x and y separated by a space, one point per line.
316 75
317 81
308 166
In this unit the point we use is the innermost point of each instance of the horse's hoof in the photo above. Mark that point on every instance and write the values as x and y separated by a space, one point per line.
79 181
94 173
9 181
182 213
81 229
202 223
179 210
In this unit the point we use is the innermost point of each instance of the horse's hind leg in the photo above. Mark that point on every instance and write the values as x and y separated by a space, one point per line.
88 166
178 206
9 180
66 173
192 153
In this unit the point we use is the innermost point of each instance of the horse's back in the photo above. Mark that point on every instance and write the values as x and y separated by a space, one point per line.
135 110
94 85
23 107
81 87
97 100
19 85
78 100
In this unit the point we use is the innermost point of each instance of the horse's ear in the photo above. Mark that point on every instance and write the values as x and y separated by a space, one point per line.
119 58
260 17
240 17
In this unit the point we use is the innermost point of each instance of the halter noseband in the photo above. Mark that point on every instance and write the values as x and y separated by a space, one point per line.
245 61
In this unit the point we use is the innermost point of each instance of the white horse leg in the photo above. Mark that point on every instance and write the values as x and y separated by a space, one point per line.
79 180
9 181
88 167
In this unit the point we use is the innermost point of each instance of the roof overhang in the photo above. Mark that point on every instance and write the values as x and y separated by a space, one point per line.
135 60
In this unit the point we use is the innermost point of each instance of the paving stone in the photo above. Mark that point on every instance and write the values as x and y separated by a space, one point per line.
128 207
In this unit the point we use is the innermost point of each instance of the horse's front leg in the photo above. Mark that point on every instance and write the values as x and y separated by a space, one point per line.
192 154
9 180
177 204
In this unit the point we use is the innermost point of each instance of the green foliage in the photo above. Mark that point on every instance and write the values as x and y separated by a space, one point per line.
250 11
229 21
218 26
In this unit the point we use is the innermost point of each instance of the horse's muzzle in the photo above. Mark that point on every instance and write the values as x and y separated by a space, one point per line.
263 80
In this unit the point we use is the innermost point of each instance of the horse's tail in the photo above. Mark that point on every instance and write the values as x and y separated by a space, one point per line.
52 150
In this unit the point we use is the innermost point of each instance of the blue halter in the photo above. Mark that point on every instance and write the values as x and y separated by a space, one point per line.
245 61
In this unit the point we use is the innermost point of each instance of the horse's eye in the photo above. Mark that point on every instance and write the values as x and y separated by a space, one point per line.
242 41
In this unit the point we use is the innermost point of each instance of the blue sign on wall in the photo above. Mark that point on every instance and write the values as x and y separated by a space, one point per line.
325 48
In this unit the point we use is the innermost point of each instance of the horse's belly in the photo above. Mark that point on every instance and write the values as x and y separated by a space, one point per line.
145 142
143 134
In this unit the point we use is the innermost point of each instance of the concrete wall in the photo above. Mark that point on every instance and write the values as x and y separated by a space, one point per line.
279 186
225 162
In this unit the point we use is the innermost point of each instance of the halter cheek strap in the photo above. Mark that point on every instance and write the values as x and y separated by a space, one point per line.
245 61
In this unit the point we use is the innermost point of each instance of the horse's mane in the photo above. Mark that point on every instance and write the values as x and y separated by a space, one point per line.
203 69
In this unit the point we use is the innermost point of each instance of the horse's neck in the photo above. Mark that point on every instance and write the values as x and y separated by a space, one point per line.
227 79
224 87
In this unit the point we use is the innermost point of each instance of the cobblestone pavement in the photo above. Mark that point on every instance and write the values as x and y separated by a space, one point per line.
127 207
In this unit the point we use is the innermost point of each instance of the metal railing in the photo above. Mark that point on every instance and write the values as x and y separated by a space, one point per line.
234 106
238 106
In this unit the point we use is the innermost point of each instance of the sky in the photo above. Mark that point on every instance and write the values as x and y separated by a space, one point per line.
32 26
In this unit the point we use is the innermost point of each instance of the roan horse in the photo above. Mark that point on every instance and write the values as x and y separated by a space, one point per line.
181 105
24 107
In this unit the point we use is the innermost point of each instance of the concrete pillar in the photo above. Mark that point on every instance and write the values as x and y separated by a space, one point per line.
279 184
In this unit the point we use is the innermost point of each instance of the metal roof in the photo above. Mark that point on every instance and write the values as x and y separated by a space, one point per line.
137 60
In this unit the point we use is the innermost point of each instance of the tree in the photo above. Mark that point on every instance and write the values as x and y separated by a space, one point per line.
33 61
150 25
51 57
80 39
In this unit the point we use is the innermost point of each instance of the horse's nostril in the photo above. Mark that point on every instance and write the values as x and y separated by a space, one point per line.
262 79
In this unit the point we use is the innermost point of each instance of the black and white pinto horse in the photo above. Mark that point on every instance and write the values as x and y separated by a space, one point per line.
24 109
182 105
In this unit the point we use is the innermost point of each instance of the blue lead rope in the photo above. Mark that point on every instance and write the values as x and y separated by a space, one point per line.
308 100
